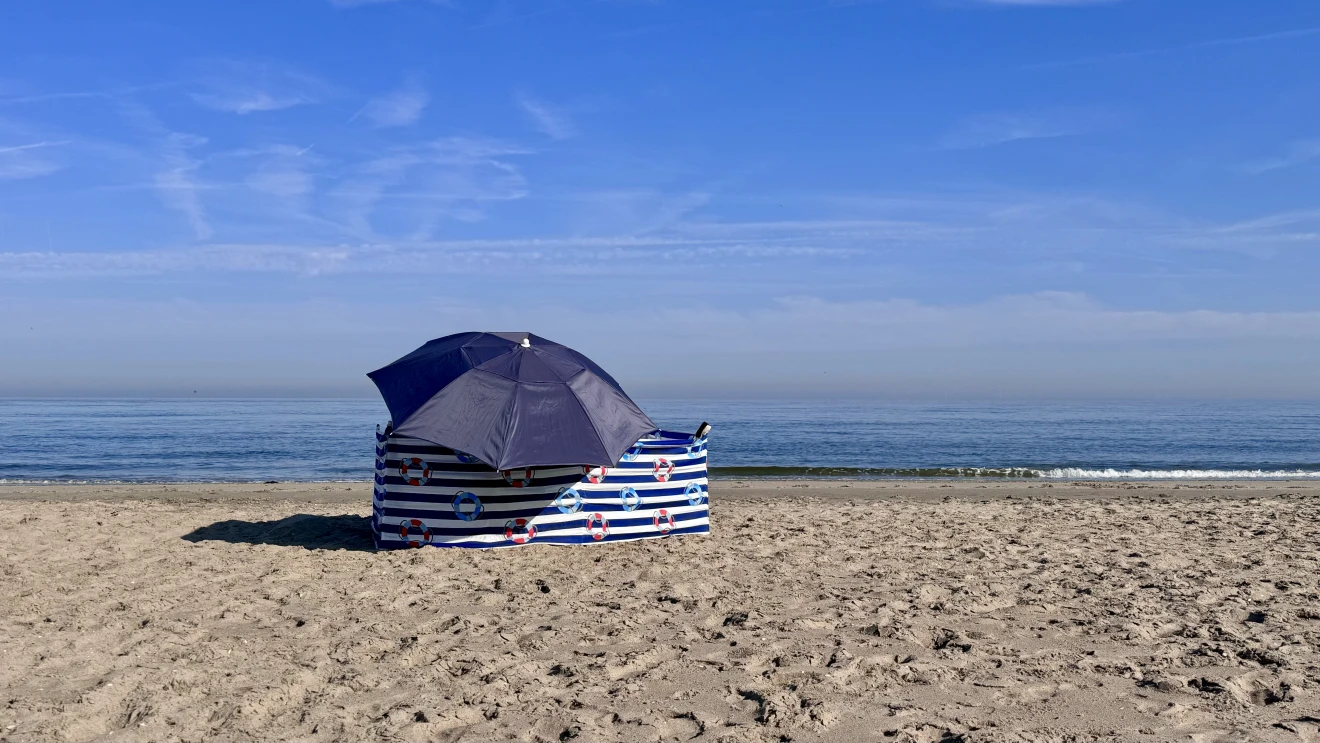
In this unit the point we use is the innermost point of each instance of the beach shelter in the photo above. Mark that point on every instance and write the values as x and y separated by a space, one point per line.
508 439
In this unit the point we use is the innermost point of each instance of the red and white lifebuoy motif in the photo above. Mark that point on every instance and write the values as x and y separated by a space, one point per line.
598 526
519 478
596 475
662 469
414 471
519 531
663 520
405 531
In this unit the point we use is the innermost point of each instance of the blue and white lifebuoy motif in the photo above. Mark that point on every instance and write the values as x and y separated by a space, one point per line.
465 458
695 495
569 500
630 499
696 448
463 498
632 454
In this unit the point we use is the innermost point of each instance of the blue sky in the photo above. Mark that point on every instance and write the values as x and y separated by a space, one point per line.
901 197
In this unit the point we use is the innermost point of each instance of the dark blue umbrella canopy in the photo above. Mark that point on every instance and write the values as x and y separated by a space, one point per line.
511 400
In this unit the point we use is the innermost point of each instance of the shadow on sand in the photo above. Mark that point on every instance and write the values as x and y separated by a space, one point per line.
300 530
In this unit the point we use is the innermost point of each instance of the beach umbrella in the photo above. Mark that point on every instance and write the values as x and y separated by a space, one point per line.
512 400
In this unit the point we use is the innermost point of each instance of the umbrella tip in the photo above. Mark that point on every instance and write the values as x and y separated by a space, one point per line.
526 342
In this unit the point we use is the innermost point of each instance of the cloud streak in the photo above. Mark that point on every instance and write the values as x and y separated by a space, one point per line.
421 185
1297 153
174 180
1041 237
401 107
18 162
247 87
987 130
549 120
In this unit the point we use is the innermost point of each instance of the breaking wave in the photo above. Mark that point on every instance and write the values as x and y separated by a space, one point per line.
1056 473
1078 473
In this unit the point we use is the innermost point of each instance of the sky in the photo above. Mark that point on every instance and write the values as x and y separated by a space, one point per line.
791 198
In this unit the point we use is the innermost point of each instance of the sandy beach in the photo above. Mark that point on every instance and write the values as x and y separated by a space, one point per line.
832 611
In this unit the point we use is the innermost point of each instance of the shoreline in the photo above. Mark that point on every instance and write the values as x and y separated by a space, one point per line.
332 491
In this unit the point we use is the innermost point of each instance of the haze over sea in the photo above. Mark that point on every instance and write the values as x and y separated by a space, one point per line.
236 440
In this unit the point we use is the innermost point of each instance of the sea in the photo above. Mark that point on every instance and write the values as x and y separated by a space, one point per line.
291 440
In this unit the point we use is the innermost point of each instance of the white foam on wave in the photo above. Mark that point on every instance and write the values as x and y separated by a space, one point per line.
1078 473
22 481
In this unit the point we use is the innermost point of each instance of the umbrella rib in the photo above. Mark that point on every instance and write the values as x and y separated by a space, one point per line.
513 418
491 424
599 439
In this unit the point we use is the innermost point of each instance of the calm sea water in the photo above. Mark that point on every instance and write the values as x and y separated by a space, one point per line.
259 440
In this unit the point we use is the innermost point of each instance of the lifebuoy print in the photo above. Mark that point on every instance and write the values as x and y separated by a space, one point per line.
467 506
630 499
598 526
663 469
695 495
519 531
414 471
569 500
519 478
663 520
406 528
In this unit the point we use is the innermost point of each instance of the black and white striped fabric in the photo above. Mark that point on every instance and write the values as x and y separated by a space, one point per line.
427 494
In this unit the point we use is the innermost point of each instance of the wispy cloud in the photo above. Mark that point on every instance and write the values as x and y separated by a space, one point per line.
282 172
238 258
109 93
33 146
1296 33
175 184
245 87
174 181
551 121
990 129
26 161
396 108
249 101
1298 152
449 178
406 192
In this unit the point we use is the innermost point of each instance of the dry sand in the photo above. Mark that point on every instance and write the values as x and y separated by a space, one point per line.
814 611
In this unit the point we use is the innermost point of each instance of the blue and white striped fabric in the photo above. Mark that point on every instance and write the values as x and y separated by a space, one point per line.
428 494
